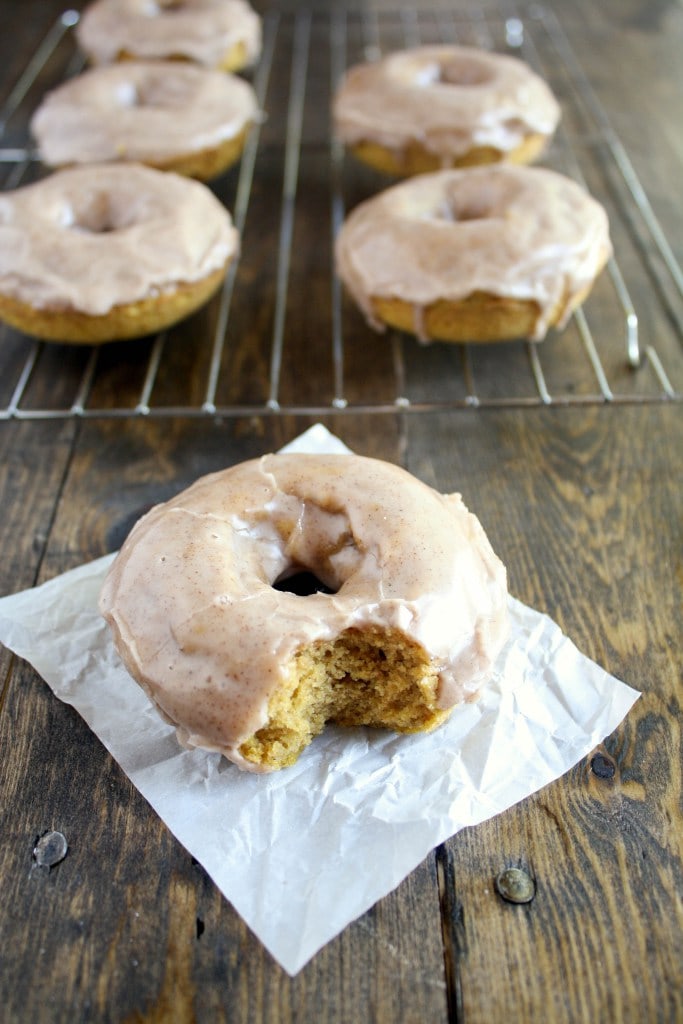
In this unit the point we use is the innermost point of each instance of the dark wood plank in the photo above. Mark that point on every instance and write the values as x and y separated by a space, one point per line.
149 934
33 463
585 509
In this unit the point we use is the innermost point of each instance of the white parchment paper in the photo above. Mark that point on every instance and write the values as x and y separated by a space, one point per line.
302 852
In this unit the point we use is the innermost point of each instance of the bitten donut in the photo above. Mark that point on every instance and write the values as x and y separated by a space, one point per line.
223 34
486 254
109 251
433 107
415 616
176 117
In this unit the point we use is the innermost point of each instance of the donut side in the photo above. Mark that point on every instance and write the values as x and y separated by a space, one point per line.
203 164
206 164
479 318
123 321
236 58
414 158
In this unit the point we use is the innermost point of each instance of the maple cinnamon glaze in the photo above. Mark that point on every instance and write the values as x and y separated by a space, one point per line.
222 34
173 116
198 623
433 107
109 251
482 254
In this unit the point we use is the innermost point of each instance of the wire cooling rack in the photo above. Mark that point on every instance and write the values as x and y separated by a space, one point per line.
281 337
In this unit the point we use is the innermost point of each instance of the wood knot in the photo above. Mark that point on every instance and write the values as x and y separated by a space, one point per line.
603 766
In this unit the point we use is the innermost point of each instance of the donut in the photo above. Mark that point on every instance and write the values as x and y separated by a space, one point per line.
180 118
109 251
413 617
176 117
484 254
433 107
223 34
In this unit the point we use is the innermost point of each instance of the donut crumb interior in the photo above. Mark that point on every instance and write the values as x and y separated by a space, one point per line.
374 677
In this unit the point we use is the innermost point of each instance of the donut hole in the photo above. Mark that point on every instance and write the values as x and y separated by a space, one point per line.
302 584
461 72
466 73
458 210
155 92
97 218
472 209
471 200
154 8
364 677
96 213
319 553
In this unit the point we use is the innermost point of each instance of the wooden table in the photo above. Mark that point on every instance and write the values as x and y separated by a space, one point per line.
580 496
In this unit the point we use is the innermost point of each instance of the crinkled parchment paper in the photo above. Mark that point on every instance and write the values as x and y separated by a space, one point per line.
286 848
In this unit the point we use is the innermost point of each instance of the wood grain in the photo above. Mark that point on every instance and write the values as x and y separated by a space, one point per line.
151 934
33 462
586 543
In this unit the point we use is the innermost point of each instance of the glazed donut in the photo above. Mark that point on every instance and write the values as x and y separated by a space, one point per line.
486 254
415 616
103 252
176 117
223 34
434 107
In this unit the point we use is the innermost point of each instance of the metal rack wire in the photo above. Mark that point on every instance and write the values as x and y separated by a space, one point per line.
633 368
